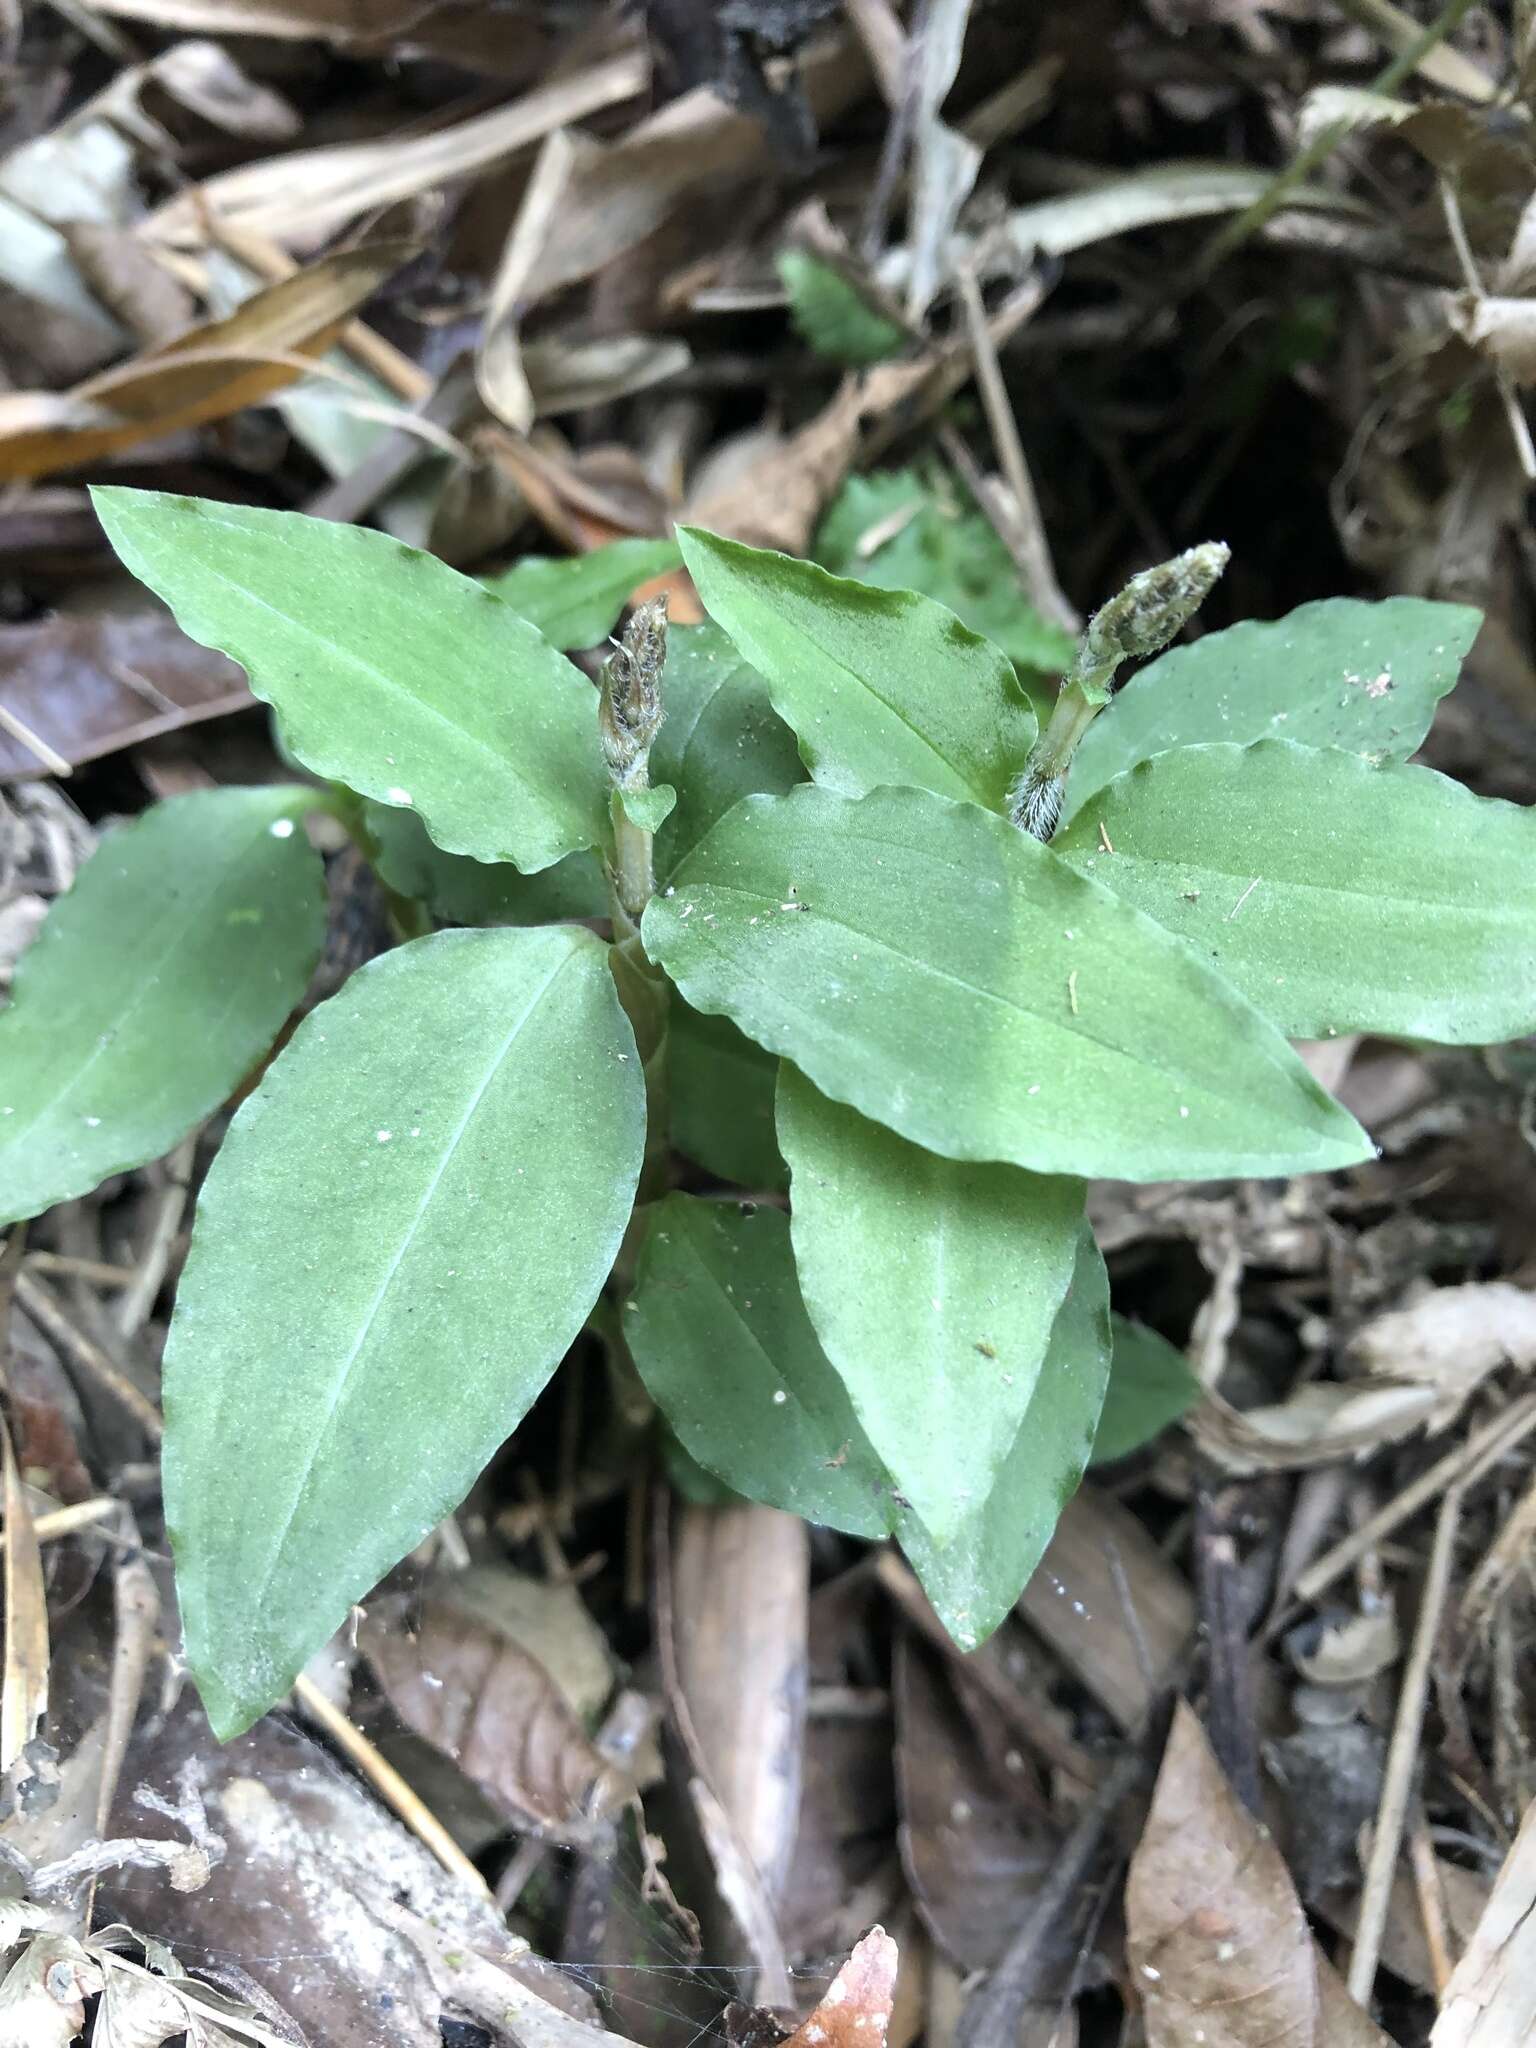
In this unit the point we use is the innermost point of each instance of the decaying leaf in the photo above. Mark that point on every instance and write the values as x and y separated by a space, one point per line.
88 685
1449 1341
305 196
855 2010
1219 1946
479 1695
205 374
305 1898
1416 1367
42 1999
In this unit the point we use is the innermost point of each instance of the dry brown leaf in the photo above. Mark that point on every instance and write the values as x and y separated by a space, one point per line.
855 2010
88 686
1218 1944
1490 2001
205 374
977 1838
487 1702
621 193
130 281
309 194
776 502
499 373
1110 1604
740 1590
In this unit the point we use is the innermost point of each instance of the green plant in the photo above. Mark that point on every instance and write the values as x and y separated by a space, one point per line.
872 987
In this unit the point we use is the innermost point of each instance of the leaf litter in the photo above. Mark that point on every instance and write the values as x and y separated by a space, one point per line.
513 285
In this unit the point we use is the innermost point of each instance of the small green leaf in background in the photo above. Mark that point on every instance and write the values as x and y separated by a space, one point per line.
1336 895
464 891
1339 673
575 600
837 321
154 987
721 1090
720 737
402 1233
933 1285
974 1579
950 977
389 671
902 530
1150 1385
880 686
722 1341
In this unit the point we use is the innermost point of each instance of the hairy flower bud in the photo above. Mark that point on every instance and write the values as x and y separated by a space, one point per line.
630 711
1152 608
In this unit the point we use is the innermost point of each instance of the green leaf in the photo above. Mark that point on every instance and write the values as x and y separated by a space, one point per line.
719 1333
403 1231
464 891
975 1578
153 988
648 809
948 976
1340 673
1150 1385
837 321
933 1285
389 671
721 1089
880 686
722 1341
720 738
1336 895
575 600
900 531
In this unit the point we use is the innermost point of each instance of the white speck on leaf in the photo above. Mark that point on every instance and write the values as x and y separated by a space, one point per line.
281 828
398 796
384 1136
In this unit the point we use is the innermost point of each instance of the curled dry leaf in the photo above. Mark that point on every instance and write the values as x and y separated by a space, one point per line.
1218 1944
491 1705
205 374
1418 1367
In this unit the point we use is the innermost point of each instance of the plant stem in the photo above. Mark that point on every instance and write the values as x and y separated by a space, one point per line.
634 876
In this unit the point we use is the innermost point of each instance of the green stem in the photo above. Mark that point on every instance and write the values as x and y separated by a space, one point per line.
634 872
